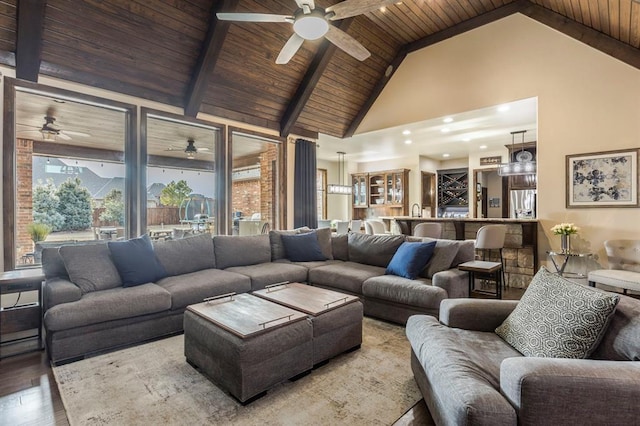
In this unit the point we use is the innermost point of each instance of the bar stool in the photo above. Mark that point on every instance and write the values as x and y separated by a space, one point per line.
431 230
488 239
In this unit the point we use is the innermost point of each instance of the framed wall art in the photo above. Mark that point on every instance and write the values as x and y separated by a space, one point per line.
603 179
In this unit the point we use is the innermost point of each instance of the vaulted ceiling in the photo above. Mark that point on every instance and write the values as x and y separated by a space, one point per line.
176 52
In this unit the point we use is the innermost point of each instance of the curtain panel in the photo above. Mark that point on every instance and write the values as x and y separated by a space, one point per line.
304 189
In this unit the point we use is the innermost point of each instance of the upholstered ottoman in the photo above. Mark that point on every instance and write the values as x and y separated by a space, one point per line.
246 354
336 317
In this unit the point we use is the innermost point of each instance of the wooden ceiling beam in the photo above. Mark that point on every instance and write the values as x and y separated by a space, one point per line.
462 27
29 38
209 53
316 68
587 35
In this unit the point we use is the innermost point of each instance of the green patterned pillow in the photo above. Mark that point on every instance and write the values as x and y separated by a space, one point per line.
558 318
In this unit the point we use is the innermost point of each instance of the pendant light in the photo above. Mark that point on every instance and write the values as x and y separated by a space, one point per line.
339 188
524 164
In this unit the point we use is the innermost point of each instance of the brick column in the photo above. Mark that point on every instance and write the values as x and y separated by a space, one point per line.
24 197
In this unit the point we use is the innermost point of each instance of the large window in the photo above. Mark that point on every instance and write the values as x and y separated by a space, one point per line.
256 183
67 154
181 179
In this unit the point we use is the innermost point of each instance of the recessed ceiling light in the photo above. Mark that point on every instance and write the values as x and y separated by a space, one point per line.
504 108
383 9
445 130
482 147
448 120
466 139
406 132
408 141
445 155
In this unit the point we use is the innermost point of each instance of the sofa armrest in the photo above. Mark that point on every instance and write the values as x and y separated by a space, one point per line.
564 391
475 314
59 290
453 281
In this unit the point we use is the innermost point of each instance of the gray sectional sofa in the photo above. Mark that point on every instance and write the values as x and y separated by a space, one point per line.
88 310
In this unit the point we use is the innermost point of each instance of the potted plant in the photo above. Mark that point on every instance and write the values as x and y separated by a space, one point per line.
38 231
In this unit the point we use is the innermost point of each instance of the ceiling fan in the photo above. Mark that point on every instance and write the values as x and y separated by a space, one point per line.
50 131
190 149
311 23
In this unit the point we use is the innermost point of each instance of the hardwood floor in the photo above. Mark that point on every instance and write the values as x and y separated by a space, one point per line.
29 394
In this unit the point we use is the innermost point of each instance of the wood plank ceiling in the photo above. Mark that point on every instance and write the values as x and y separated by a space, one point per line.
176 51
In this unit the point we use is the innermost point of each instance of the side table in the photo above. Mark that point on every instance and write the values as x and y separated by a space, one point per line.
560 260
21 317
493 270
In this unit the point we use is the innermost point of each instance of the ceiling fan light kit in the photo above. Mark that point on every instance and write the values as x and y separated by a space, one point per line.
310 23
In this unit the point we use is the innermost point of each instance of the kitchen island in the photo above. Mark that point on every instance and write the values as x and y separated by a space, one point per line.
520 248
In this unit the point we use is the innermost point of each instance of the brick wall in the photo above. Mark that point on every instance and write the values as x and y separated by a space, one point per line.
245 196
24 196
268 172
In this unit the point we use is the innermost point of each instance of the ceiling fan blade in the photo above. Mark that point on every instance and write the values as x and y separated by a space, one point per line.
349 8
253 17
347 43
290 48
309 3
72 133
63 136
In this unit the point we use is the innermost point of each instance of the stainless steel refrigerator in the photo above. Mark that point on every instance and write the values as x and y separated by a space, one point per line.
522 204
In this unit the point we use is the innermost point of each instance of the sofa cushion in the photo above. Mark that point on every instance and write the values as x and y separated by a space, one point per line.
241 250
410 259
108 305
136 262
466 252
558 318
374 250
90 267
346 276
443 255
466 366
263 274
302 247
191 288
340 246
401 290
52 263
186 255
324 239
621 341
275 241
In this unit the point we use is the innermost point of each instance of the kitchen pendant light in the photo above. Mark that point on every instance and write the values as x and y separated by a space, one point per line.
339 188
524 164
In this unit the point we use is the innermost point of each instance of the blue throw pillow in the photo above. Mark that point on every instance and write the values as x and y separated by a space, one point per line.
410 259
136 262
302 247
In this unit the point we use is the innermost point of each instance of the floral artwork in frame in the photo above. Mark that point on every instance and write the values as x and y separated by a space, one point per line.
603 179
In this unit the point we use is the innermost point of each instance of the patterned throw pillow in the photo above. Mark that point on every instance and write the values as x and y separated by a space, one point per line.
558 318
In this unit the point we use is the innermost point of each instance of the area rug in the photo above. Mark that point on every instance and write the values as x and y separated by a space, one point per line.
153 384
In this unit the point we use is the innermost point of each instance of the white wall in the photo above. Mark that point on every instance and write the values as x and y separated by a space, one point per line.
338 206
587 102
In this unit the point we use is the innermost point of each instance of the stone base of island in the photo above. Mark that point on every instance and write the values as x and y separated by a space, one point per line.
520 248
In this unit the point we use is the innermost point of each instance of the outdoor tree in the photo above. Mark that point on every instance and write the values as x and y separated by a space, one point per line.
45 206
75 205
174 193
113 207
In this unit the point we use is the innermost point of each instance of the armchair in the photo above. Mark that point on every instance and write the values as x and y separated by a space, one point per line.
624 266
469 375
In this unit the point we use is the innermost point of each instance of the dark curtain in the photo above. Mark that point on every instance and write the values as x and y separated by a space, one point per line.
305 212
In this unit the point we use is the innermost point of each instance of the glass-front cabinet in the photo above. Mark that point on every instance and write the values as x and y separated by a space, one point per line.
359 181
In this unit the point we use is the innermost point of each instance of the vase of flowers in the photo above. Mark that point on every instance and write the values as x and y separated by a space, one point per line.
565 230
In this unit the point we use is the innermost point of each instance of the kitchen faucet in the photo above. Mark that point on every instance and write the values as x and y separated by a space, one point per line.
412 210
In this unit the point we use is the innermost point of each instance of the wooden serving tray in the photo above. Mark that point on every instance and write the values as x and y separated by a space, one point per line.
308 299
245 315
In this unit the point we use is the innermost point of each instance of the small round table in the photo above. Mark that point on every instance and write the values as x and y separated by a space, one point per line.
560 259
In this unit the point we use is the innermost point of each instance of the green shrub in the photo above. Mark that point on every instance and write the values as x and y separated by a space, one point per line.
38 231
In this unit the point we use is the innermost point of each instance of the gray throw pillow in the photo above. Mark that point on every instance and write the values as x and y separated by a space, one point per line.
186 255
558 318
324 239
340 247
442 258
241 250
374 250
90 267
